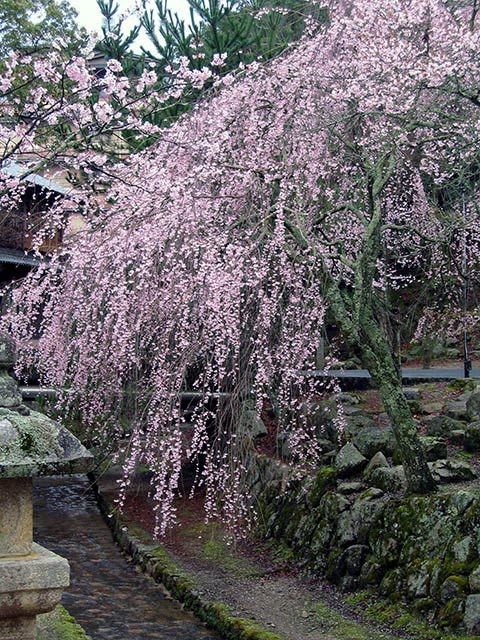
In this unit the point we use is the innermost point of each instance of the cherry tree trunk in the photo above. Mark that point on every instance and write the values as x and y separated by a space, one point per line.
377 356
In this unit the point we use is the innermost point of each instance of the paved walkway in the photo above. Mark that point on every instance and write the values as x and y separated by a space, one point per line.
109 598
410 373
436 373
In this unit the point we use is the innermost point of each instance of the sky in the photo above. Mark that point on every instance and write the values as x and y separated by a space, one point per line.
89 15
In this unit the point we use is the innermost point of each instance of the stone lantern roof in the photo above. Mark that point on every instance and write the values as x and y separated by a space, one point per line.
31 444
34 445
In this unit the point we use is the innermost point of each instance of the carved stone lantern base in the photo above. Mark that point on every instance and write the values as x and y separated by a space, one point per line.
29 585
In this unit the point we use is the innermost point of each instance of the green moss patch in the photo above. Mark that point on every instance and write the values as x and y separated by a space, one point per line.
396 617
59 625
220 553
332 622
461 384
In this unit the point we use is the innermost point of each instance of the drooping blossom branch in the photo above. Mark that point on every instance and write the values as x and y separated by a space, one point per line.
311 183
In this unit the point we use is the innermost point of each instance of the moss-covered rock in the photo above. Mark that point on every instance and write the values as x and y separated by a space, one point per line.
474 580
418 579
442 426
355 523
371 440
372 572
354 557
435 448
471 438
473 405
464 551
451 470
349 460
432 407
378 461
305 532
334 566
471 617
393 583
389 479
59 625
451 613
453 587
325 480
456 409
460 501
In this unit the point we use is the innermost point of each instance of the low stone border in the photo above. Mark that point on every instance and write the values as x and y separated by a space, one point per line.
157 563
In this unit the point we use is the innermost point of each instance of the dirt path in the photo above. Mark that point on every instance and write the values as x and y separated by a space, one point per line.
253 581
285 604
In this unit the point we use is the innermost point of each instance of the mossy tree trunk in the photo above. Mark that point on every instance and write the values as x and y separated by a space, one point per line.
377 356
358 316
378 359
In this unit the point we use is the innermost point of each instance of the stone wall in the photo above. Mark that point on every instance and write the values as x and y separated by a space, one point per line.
424 550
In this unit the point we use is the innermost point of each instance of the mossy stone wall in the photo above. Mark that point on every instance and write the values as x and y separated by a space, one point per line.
424 550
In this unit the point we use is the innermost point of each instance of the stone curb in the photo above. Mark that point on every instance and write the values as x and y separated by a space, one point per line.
156 562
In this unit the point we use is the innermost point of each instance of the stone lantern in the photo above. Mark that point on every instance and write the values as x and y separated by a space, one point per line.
32 579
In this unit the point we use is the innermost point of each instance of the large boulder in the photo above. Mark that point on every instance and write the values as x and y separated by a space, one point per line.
418 581
443 426
352 410
453 587
354 524
348 398
457 436
464 550
411 393
348 488
389 479
474 580
370 440
432 407
353 558
461 500
435 448
456 409
451 470
473 405
358 422
349 460
378 461
471 438
471 619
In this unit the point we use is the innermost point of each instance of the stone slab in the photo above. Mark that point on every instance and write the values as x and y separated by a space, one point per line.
41 570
